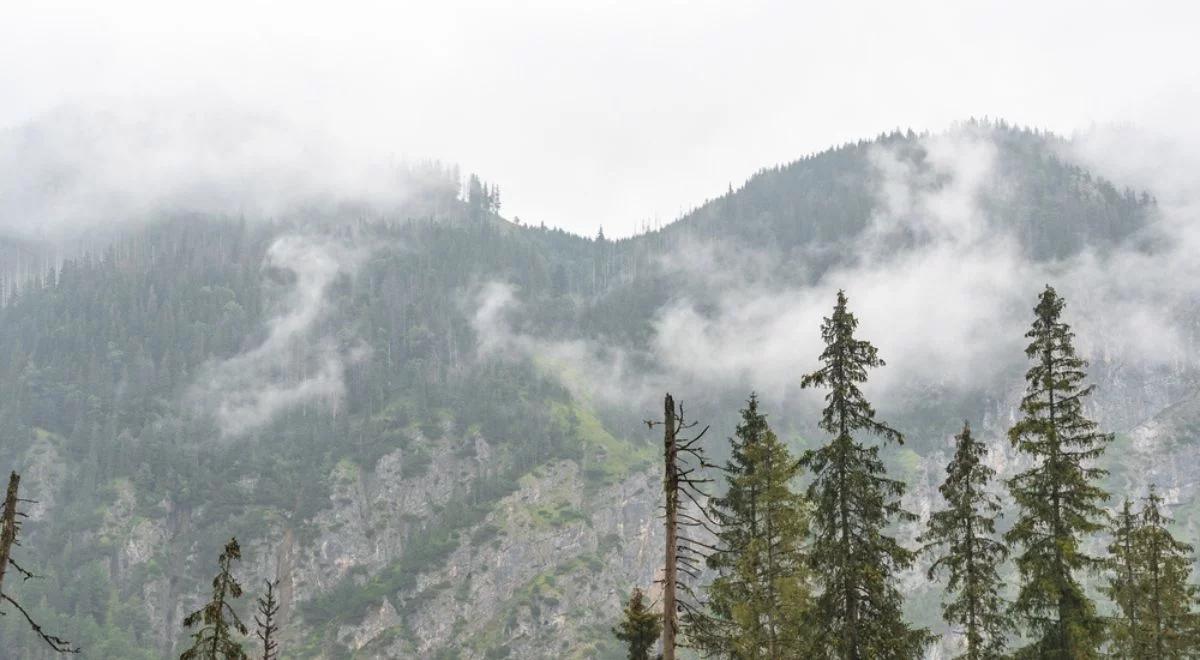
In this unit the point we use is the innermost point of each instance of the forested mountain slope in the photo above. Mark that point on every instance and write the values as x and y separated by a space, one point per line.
427 423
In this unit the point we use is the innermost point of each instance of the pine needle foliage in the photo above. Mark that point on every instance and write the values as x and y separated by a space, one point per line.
1124 584
858 611
1150 583
1059 499
962 540
217 620
759 602
640 627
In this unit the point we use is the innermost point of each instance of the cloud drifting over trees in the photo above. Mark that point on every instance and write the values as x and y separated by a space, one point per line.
940 284
300 362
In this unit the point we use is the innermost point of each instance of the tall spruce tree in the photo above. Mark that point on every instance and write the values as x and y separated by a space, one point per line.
858 612
962 538
1123 585
1058 498
1150 583
759 602
214 639
640 627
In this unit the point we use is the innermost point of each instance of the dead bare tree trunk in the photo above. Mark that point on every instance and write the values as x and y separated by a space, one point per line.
8 525
268 629
683 467
9 529
671 493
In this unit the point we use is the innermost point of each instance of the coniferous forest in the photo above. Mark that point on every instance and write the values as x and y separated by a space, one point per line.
813 574
427 430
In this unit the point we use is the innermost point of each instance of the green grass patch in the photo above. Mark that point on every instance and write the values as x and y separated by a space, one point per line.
606 459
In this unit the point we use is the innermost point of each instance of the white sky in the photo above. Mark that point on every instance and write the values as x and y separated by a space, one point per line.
607 112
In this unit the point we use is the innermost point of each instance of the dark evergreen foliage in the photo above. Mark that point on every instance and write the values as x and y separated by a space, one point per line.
640 627
97 350
217 621
1055 207
94 361
759 602
1123 583
961 538
1150 583
1059 498
858 611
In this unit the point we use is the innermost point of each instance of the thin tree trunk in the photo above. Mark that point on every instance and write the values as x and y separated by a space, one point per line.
973 636
8 527
772 606
671 490
1134 627
1064 640
846 445
1158 617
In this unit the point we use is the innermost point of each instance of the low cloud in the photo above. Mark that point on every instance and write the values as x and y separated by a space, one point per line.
590 369
299 362
940 286
101 168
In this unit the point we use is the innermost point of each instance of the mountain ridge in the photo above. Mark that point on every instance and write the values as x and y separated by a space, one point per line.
417 423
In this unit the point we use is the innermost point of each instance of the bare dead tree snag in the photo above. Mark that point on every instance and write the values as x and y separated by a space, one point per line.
671 495
684 554
268 608
10 529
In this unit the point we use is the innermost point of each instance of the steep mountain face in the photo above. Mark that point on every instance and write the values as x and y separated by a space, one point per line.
429 426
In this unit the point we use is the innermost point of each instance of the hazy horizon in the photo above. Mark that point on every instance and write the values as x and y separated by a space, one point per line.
257 292
622 115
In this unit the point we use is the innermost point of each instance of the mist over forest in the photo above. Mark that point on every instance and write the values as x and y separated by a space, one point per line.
601 332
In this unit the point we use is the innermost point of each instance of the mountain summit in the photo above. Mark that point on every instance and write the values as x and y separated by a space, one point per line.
426 421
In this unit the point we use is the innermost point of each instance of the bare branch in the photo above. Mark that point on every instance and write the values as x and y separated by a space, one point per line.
59 644
26 574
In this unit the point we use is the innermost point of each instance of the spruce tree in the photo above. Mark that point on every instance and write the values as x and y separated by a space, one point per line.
639 627
962 536
1150 584
758 603
1123 585
217 619
858 612
1058 498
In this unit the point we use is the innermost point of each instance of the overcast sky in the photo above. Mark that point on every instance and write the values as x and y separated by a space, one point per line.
590 113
